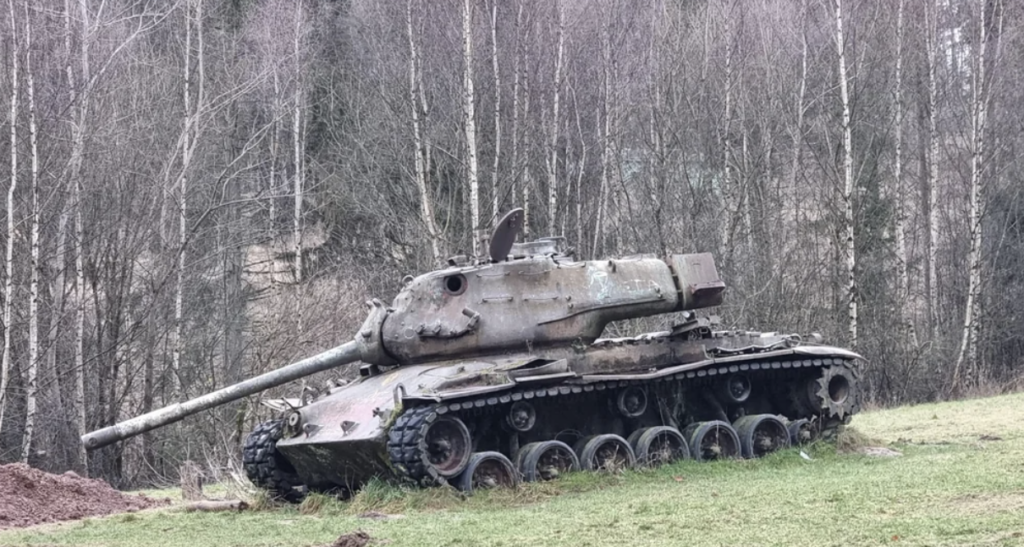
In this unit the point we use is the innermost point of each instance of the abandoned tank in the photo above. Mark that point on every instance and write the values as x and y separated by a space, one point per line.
493 371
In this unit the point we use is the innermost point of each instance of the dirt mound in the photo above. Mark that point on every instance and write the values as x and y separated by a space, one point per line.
31 496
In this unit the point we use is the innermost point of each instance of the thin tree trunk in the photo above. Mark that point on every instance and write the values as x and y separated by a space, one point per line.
932 234
179 286
798 131
275 147
5 364
495 192
299 144
725 142
606 76
899 197
979 111
847 196
580 168
552 161
32 385
527 171
469 123
78 147
515 106
415 87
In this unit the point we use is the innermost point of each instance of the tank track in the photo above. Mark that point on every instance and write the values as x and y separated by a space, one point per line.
265 468
405 441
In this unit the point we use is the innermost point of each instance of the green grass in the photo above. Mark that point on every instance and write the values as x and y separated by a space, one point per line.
950 487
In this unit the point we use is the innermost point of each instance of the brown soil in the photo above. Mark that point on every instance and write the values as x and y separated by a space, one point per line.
358 538
30 496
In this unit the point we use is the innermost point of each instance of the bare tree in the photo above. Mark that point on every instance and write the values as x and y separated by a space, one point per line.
932 187
5 365
495 190
899 192
980 96
552 151
850 258
32 382
469 124
416 99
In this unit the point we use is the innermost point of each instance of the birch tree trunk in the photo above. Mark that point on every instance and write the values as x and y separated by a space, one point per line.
798 130
847 195
32 384
968 353
495 192
606 77
179 285
299 145
552 162
416 88
899 194
275 147
77 150
5 364
517 182
932 234
469 123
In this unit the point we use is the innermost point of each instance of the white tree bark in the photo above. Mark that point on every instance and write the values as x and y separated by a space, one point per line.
899 193
968 353
606 138
32 383
932 238
299 145
186 160
552 160
516 65
415 89
495 191
275 147
77 149
5 364
847 195
469 123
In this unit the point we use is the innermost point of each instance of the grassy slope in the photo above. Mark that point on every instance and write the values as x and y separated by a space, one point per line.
951 487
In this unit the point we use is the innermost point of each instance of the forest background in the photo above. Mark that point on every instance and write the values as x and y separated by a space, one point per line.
203 190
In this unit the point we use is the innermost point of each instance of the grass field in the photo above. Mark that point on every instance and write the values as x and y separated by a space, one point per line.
960 481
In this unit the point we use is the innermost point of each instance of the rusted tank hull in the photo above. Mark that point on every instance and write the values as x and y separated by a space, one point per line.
342 439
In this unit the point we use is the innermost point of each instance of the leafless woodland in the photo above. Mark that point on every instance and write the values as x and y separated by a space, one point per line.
203 190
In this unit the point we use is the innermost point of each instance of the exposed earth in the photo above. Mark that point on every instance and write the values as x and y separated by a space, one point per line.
31 496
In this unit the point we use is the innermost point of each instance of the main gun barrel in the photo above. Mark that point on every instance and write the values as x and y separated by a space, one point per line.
345 353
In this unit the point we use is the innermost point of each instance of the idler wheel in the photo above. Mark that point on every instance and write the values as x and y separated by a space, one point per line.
714 440
802 431
631 402
545 461
487 470
834 393
761 434
521 416
604 453
659 445
446 446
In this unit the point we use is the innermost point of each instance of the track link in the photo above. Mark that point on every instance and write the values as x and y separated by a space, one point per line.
266 468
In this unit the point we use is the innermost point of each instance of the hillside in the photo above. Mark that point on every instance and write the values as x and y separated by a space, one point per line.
959 481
